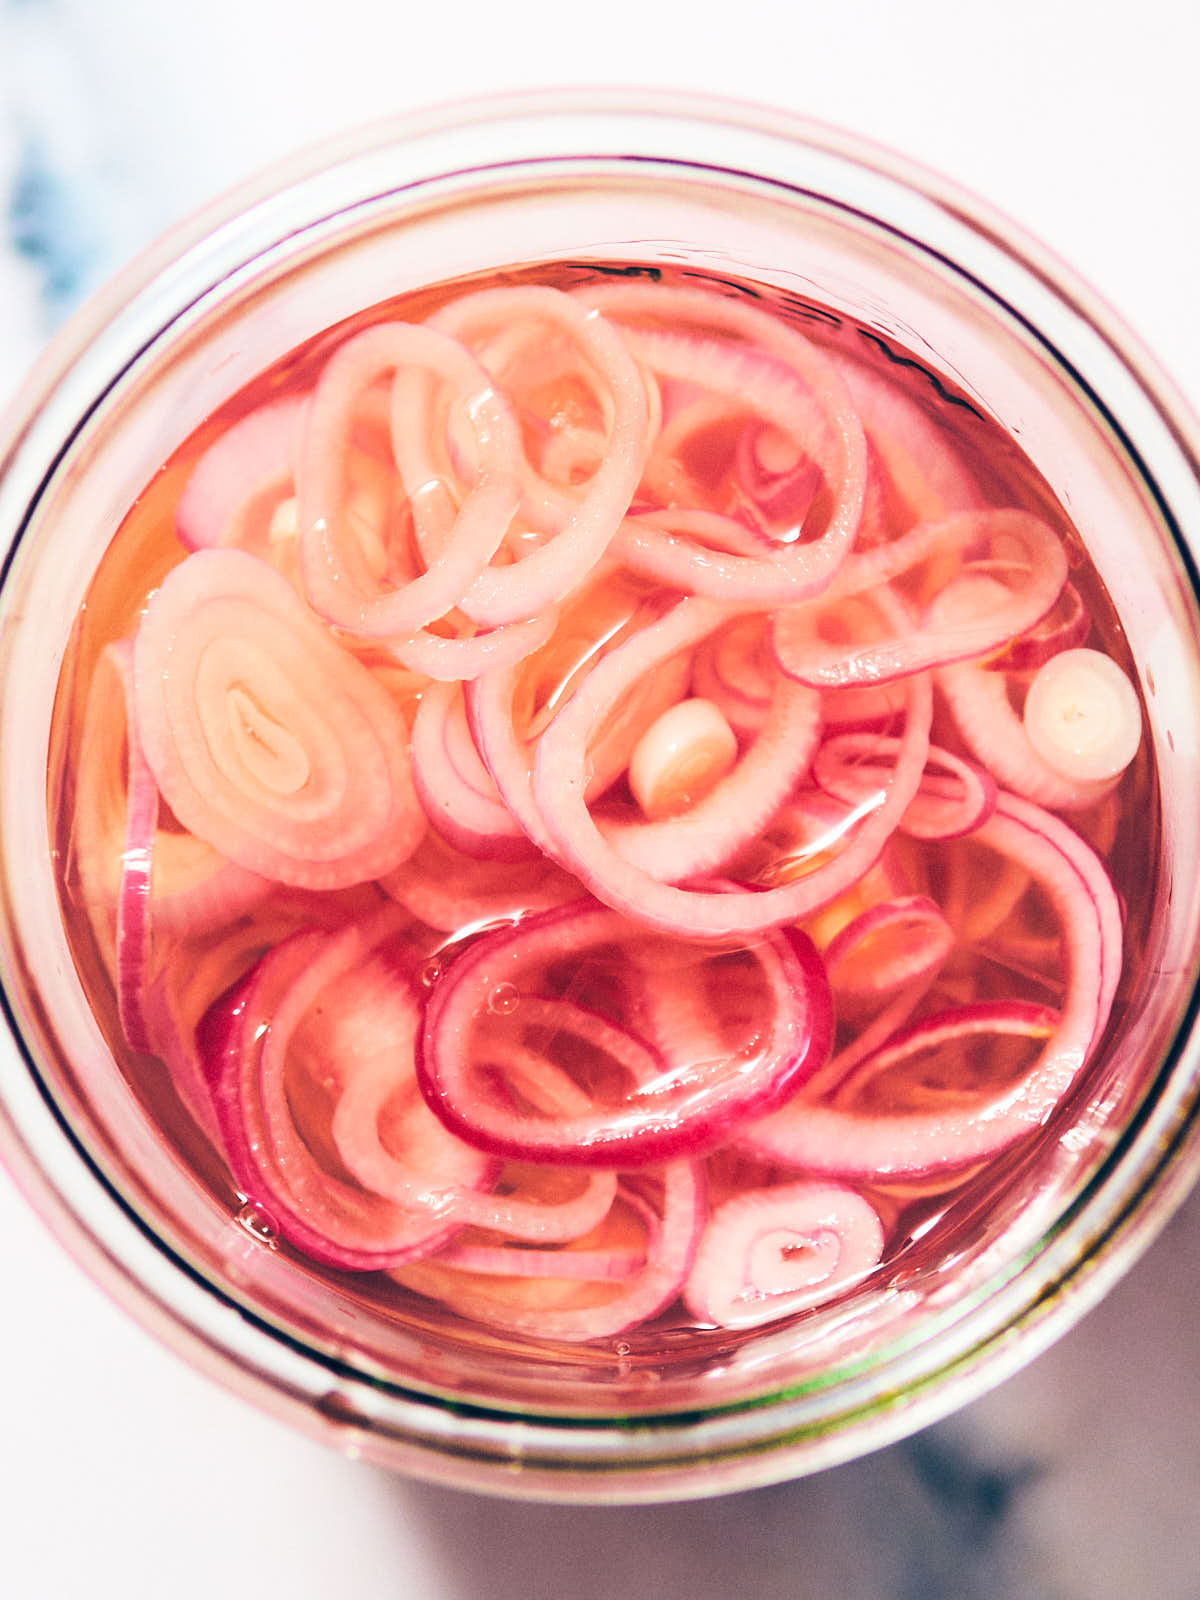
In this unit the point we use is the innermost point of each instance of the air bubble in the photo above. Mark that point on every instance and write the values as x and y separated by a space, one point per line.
259 1224
430 973
503 1000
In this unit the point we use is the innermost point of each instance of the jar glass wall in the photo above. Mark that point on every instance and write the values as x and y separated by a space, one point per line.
803 215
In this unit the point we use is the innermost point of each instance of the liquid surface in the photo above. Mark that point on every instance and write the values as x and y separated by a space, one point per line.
550 823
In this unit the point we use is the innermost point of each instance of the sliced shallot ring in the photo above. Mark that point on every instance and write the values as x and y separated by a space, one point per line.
335 578
769 1253
1021 1019
923 465
247 1042
355 1131
728 669
461 659
453 785
701 840
929 940
994 733
650 1125
247 469
671 1235
959 624
137 865
850 767
518 1261
490 712
829 1139
266 739
559 802
450 891
759 580
790 571
193 888
1064 627
583 530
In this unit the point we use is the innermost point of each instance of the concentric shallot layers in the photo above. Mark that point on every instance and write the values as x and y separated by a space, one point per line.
597 804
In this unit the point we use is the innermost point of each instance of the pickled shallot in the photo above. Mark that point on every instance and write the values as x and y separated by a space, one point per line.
605 797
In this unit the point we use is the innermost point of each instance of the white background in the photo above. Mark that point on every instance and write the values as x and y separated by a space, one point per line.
123 1473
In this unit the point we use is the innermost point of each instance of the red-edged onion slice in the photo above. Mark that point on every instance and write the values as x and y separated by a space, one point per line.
987 1019
575 1311
137 862
792 365
1064 627
770 1253
889 945
317 1012
830 1139
926 472
336 578
670 1108
193 888
459 659
519 1261
735 671
267 739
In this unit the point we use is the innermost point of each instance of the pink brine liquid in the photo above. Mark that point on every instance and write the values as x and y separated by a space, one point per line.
605 803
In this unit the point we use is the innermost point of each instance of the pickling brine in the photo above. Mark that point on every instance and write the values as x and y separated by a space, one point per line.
604 802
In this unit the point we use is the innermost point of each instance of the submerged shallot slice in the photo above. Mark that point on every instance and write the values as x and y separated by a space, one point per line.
967 618
336 577
319 1012
1082 716
243 478
661 1219
978 697
493 996
267 739
582 524
455 788
780 375
769 1253
953 801
851 1142
558 800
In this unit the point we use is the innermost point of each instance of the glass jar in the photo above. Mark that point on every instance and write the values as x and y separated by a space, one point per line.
697 186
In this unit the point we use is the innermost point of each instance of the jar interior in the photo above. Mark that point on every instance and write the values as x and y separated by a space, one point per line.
799 252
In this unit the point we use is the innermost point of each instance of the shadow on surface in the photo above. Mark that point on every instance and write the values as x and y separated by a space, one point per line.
915 1522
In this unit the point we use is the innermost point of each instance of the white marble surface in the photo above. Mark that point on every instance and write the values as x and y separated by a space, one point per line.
123 1473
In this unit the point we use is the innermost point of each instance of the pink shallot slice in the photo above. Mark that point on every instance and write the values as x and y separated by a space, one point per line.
267 739
770 1253
666 1108
242 477
583 525
965 620
559 798
822 1138
667 1210
283 1049
336 578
